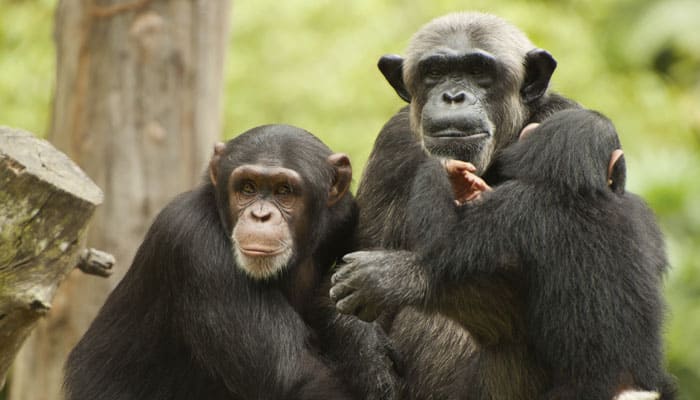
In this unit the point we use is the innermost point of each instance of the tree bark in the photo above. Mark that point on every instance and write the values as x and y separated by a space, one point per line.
46 202
138 106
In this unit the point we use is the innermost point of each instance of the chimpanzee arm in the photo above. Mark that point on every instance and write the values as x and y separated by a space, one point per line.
256 343
455 247
456 242
362 351
372 281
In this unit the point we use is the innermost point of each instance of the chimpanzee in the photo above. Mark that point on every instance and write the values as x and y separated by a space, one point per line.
473 82
223 299
588 256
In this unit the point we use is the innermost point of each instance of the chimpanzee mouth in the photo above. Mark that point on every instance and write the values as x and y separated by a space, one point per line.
259 251
457 134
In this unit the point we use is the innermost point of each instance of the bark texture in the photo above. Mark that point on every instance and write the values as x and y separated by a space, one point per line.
46 202
138 106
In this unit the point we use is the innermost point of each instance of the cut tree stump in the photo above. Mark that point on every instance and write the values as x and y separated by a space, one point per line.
46 202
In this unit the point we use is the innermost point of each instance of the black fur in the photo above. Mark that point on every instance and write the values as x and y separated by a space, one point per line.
438 353
187 323
586 261
591 259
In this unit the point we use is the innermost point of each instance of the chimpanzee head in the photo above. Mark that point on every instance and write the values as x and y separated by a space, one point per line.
575 149
280 192
472 81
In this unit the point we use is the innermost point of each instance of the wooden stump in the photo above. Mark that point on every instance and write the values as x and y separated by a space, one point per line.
46 202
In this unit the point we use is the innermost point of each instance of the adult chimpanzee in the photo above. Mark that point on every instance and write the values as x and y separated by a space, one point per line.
588 255
473 82
222 300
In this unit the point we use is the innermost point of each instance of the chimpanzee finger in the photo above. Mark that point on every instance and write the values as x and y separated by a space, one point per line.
337 277
480 184
342 273
350 257
349 305
339 292
454 166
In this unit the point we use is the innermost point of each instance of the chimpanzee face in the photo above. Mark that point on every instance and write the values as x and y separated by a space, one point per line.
267 206
275 186
470 80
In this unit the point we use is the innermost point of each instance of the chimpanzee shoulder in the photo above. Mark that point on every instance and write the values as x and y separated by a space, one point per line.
384 188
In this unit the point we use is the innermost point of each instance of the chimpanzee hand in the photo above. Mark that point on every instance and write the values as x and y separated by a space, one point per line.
465 184
372 281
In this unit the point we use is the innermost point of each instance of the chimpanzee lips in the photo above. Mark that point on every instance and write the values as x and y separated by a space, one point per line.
455 133
465 147
261 251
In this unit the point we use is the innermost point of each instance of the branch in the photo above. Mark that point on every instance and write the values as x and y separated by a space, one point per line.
96 262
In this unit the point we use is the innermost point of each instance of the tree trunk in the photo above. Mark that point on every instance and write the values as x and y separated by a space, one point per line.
138 106
46 202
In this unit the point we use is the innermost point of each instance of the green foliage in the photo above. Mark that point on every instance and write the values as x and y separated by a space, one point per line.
26 63
313 64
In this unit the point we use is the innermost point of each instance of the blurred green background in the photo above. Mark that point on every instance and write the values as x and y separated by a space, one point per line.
313 64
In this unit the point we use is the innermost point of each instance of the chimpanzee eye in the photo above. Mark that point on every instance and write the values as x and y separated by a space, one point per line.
283 190
432 69
248 188
482 73
478 70
434 73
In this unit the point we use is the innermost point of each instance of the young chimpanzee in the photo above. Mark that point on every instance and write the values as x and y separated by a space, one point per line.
224 300
588 256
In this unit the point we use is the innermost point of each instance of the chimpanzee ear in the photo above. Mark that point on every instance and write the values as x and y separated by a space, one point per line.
528 129
391 66
341 179
219 148
617 172
539 67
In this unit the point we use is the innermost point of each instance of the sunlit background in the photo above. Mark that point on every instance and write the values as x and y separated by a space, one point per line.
313 64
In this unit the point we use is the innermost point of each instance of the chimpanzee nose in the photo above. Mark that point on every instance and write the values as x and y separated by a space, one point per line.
261 213
458 98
